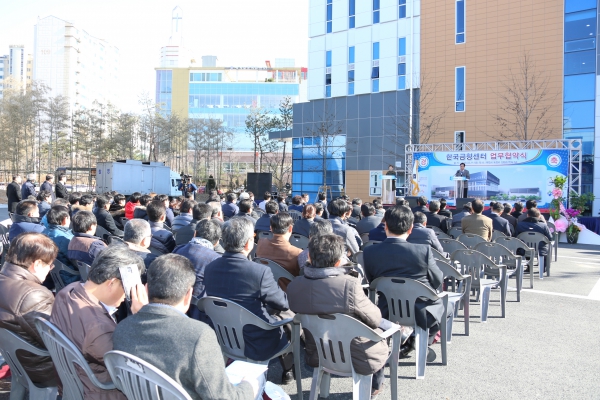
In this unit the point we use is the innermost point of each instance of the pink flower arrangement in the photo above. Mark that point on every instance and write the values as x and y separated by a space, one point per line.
561 224
557 193
572 213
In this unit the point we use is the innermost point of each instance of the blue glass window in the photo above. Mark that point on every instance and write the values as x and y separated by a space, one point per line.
580 25
578 45
579 5
375 85
401 8
586 135
375 73
351 13
402 69
328 91
402 46
460 89
351 76
579 87
350 88
351 55
329 15
580 62
328 79
460 21
579 115
376 51
375 11
328 58
401 82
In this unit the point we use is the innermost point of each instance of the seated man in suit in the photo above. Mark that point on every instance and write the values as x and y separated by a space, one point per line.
434 219
369 220
499 223
302 226
278 248
200 212
162 239
488 212
421 205
507 216
245 211
476 223
356 208
533 223
422 235
84 313
217 214
211 231
379 211
26 219
395 257
230 208
339 210
444 212
296 204
322 199
104 217
185 215
252 286
466 210
263 224
138 237
84 246
194 360
529 205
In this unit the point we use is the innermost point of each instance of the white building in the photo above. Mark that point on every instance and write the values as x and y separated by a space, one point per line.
175 54
363 46
74 63
3 72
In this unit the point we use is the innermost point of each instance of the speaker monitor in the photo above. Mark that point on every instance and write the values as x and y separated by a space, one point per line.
460 203
259 183
412 201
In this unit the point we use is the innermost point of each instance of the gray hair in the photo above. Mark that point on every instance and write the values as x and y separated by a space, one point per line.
107 262
216 206
320 227
136 230
420 218
236 233
434 206
31 177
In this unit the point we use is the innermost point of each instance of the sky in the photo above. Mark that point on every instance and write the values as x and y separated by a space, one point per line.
238 32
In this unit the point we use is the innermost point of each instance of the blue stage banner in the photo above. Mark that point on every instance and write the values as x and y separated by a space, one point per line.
506 176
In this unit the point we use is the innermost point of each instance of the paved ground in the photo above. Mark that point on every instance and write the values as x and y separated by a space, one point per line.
547 347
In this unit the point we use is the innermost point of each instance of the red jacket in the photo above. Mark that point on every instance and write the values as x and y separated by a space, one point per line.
129 207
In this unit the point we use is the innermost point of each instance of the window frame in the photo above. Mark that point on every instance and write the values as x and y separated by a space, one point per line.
458 34
401 9
458 101
329 14
351 14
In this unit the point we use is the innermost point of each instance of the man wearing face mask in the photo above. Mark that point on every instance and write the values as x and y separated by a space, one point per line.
23 298
84 312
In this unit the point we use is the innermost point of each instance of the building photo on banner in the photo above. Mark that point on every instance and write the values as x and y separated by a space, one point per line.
517 175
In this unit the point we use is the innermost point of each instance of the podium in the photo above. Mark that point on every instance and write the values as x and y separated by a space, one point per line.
459 186
388 194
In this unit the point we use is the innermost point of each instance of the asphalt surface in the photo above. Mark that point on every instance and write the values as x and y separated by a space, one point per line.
547 347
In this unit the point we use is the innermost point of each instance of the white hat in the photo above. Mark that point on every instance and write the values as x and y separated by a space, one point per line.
244 196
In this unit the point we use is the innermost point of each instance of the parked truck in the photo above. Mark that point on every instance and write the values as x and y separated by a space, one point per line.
129 176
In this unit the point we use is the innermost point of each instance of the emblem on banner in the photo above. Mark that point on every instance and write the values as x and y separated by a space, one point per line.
423 162
554 160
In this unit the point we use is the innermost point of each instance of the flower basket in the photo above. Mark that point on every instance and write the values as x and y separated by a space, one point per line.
572 237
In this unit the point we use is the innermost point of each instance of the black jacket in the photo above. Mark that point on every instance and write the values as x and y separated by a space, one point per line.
533 225
162 239
511 220
61 191
302 226
424 235
422 209
13 192
263 224
366 224
106 221
438 221
185 234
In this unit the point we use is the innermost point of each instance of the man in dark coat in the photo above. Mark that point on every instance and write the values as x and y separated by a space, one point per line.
421 205
104 218
533 223
199 212
369 220
434 219
13 193
252 286
322 199
230 208
162 241
457 218
422 235
263 224
26 219
59 189
499 223
395 257
507 216
28 188
47 185
488 212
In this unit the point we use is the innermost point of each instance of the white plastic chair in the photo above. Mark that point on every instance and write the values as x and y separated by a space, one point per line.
461 296
299 241
455 232
84 270
474 263
20 383
264 235
229 319
501 255
533 239
514 245
68 360
296 215
59 284
139 380
555 238
451 245
496 234
369 243
335 333
277 270
437 255
470 240
401 295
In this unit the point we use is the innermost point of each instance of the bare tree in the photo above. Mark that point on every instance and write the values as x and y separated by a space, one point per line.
284 121
525 103
258 125
328 134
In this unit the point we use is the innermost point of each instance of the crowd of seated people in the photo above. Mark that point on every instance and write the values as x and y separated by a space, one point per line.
182 248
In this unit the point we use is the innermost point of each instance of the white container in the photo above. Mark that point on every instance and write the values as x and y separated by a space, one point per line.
129 176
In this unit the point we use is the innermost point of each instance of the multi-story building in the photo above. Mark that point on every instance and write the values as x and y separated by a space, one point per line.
3 73
75 64
389 72
15 69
